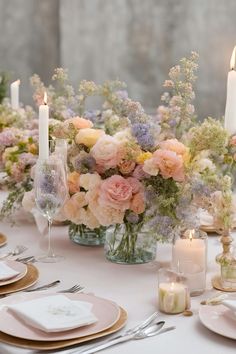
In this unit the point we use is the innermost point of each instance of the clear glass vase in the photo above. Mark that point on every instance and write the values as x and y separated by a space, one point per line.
130 244
84 236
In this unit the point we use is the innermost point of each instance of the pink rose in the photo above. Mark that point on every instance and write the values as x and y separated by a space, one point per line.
138 203
116 193
174 145
106 152
135 184
170 164
79 123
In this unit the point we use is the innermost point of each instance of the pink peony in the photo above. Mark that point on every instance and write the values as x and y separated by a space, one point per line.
174 145
106 152
170 164
115 192
138 203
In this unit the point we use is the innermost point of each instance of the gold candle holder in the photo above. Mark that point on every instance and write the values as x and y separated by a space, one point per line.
226 281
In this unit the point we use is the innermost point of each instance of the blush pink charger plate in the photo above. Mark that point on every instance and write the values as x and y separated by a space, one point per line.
107 313
218 319
18 267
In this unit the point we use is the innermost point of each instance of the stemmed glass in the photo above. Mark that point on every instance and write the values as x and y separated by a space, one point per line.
50 194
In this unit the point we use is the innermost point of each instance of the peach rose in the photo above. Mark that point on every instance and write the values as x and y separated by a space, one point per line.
73 205
126 167
174 145
115 192
138 203
106 152
105 215
88 136
73 182
79 123
89 180
170 164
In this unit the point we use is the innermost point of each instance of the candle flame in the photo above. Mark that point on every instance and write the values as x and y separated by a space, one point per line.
232 60
172 286
45 98
191 233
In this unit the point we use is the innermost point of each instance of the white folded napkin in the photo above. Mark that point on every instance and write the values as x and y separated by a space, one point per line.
231 304
7 272
54 313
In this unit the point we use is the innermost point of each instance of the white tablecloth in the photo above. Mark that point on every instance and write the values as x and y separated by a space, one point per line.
132 287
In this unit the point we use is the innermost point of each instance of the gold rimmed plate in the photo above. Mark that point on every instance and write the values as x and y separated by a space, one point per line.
107 313
52 345
3 240
19 267
28 280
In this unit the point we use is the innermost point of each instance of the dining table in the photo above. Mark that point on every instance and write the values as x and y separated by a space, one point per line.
133 287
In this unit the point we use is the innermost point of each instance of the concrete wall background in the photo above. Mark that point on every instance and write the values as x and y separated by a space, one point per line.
134 40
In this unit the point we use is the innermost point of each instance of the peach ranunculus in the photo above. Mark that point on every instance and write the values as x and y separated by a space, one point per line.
73 182
170 164
174 145
126 166
138 203
115 192
79 123
106 152
88 136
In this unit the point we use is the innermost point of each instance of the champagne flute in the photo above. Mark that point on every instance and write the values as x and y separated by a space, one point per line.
50 194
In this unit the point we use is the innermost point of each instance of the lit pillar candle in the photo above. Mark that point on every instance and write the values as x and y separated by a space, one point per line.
173 297
15 94
43 129
190 249
230 109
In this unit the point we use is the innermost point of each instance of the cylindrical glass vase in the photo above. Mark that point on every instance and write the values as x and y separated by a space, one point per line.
84 236
130 244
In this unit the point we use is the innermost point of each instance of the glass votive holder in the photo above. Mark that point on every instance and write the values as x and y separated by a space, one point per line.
194 275
173 294
189 257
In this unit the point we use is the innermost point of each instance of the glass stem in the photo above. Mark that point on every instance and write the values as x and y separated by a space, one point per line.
50 250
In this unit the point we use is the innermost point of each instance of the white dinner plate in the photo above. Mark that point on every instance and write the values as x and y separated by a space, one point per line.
106 311
18 267
219 319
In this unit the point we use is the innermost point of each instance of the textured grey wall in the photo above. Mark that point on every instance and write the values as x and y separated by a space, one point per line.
134 40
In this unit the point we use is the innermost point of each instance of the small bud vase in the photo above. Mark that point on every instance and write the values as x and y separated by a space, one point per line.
130 244
84 236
